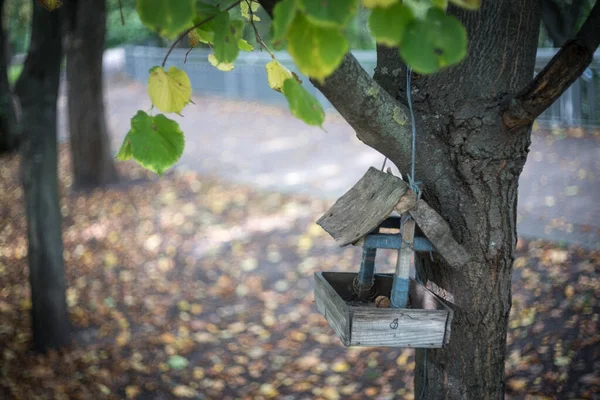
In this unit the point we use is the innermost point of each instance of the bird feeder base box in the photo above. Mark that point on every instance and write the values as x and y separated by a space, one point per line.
426 324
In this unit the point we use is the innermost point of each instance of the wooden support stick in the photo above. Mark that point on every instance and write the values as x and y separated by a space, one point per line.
438 232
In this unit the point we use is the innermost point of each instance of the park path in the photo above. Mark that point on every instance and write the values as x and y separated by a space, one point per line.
267 147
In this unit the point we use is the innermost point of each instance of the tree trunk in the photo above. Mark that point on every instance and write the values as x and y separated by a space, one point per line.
37 89
93 164
9 138
476 193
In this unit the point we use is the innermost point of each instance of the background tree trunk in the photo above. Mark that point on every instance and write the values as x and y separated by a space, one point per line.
476 193
93 164
9 138
37 89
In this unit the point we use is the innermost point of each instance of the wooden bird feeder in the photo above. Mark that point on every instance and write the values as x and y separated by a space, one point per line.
418 318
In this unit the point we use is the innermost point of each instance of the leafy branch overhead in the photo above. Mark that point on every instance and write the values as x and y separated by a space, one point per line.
314 33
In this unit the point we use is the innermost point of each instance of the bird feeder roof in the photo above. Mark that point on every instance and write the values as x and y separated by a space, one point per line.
364 207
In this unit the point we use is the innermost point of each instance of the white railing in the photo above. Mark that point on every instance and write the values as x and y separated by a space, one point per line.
578 106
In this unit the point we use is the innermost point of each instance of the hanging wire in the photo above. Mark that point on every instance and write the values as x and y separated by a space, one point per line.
414 185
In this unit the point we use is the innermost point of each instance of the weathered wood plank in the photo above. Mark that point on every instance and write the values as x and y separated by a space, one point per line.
333 308
437 230
361 209
394 327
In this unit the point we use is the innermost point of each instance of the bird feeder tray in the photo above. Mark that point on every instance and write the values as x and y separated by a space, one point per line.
425 324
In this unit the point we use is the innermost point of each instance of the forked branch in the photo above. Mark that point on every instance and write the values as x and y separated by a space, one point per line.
562 70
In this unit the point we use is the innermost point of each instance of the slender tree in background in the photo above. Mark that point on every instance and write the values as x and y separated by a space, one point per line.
561 18
9 139
37 89
93 164
474 130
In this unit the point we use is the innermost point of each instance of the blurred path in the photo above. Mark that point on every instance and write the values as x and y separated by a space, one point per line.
267 147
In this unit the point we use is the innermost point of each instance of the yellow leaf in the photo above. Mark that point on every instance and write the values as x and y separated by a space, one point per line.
184 391
403 359
569 291
517 384
268 390
378 3
225 67
50 5
132 391
340 366
169 91
277 74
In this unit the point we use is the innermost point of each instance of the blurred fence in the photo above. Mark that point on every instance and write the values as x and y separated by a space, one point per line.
578 106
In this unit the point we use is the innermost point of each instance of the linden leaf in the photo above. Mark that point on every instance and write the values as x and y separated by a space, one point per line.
225 67
169 91
283 16
50 5
167 17
277 74
336 14
317 51
468 4
228 32
436 42
156 143
244 45
378 3
245 8
388 24
302 104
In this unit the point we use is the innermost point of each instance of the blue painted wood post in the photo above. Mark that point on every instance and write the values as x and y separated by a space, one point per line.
366 274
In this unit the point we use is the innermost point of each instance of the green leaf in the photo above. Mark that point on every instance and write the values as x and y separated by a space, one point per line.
329 13
227 35
156 143
177 362
169 91
302 104
244 45
125 152
283 15
316 50
436 42
166 17
388 24
378 3
418 7
225 67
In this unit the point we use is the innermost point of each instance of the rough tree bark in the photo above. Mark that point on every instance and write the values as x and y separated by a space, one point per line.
37 89
474 125
93 164
9 138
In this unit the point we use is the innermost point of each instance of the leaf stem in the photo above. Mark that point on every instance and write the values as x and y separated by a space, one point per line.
184 34
256 34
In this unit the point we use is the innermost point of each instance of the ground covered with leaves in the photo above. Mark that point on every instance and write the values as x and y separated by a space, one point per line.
188 287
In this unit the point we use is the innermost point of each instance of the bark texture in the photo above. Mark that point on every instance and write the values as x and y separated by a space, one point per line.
93 164
9 138
37 89
476 191
469 164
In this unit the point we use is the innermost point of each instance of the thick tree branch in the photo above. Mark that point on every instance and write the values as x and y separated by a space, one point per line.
564 68
380 121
